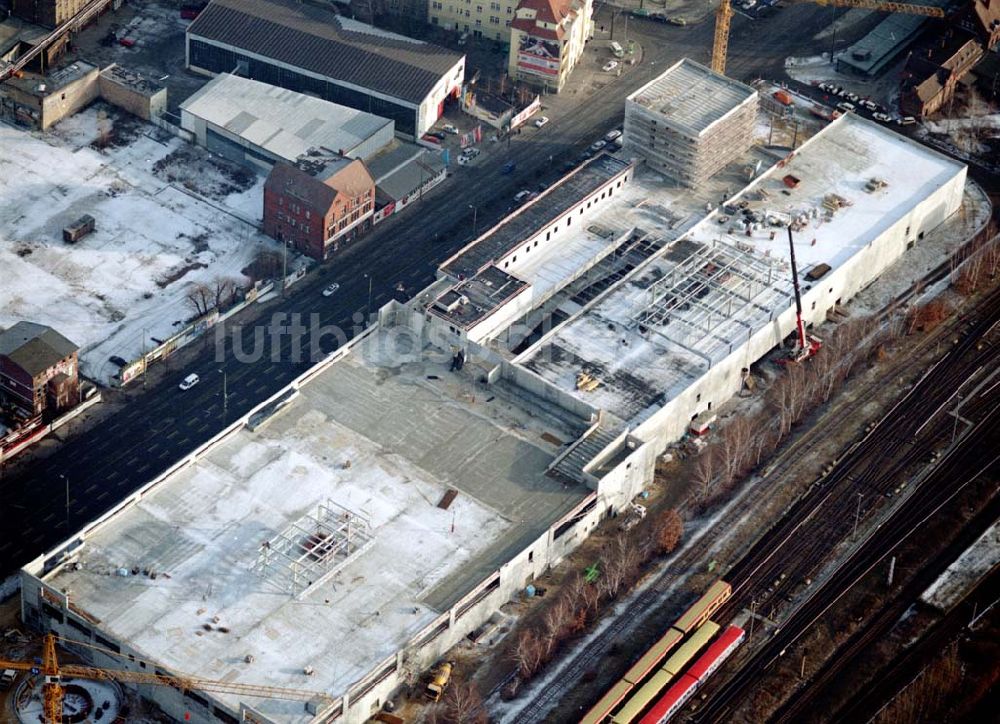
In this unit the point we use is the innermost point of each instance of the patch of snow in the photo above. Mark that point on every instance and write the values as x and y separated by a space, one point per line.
123 285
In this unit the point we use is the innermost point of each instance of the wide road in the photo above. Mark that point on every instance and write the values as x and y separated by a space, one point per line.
101 465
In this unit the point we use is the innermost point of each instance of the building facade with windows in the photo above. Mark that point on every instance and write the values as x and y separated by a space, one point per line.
490 19
319 204
39 370
311 50
547 40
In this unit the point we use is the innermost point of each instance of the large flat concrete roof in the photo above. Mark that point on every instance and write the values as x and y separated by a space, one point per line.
657 331
379 434
692 97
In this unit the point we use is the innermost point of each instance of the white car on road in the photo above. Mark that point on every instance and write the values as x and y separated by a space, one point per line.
610 66
189 382
541 121
331 290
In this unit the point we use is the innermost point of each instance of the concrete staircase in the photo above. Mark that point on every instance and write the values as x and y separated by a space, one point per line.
570 464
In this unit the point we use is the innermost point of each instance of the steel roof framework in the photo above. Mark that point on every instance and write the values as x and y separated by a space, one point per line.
314 548
714 286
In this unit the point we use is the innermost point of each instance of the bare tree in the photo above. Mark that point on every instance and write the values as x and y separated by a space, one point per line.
224 291
554 623
734 447
528 654
619 561
703 474
461 704
670 530
199 298
591 595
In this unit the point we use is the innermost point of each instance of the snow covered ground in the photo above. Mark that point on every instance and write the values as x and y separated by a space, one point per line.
160 229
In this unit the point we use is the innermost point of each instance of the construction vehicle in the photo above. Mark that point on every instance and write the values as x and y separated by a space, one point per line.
724 17
439 681
56 674
805 345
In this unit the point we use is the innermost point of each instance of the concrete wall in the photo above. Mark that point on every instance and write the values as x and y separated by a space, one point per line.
136 102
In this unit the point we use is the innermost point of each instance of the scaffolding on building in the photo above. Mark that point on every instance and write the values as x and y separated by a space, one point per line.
314 548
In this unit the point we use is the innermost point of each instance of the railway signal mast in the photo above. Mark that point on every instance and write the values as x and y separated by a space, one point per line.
805 344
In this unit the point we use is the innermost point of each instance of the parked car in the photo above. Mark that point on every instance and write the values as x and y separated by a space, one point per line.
508 168
439 135
521 196
430 138
826 87
610 66
127 42
845 106
598 145
906 121
612 135
869 105
853 97
331 290
541 121
471 152
883 117
189 382
448 128
680 22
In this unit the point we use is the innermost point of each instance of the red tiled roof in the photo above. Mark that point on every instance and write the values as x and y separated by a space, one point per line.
546 11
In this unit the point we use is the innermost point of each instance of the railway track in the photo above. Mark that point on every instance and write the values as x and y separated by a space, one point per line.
953 474
693 557
802 705
796 545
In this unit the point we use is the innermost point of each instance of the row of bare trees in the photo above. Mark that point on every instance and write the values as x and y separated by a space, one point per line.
221 293
978 266
746 441
579 603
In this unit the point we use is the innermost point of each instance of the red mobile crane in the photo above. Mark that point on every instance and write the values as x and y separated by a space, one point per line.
805 344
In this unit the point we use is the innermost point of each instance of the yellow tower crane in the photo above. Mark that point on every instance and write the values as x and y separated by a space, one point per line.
55 673
724 16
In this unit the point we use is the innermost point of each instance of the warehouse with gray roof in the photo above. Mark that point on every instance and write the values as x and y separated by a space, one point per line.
312 50
251 122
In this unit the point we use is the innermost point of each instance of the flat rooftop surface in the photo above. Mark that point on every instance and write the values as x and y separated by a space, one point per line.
517 227
382 440
974 564
655 332
281 121
691 96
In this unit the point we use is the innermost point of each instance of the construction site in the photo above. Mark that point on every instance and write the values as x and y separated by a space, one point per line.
689 123
337 541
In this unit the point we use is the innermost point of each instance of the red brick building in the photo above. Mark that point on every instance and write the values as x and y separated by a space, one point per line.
932 73
319 204
38 370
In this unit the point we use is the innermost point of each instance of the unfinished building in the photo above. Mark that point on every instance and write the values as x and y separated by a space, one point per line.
690 122
421 476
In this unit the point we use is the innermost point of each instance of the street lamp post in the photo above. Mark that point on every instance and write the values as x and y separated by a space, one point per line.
66 480
225 391
368 306
857 516
475 213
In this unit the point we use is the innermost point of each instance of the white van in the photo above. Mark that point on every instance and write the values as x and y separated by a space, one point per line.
617 50
190 381
7 678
